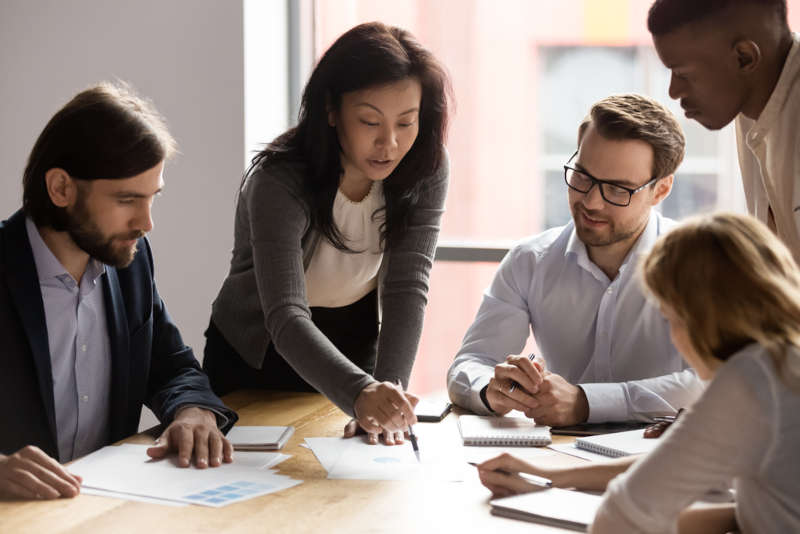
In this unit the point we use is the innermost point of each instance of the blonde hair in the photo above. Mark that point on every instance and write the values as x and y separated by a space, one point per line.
732 282
637 117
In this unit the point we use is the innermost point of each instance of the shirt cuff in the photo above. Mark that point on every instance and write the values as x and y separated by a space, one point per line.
484 399
476 403
222 419
606 402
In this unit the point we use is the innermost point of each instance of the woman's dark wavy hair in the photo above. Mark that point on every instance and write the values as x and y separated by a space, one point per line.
368 55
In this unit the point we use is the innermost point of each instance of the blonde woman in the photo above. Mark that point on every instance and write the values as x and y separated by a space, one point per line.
731 292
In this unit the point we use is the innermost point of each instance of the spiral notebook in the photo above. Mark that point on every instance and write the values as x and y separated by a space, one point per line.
509 431
618 444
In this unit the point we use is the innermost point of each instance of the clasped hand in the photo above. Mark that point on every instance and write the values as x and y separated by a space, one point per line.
546 397
383 408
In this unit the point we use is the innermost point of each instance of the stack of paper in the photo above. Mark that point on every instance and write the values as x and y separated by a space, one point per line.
259 438
125 471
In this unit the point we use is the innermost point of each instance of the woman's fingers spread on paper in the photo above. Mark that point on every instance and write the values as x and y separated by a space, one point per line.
350 428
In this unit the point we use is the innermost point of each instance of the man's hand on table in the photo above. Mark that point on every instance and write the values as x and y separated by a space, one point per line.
194 430
29 473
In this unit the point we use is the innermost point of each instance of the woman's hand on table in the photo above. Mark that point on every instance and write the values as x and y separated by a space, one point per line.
384 412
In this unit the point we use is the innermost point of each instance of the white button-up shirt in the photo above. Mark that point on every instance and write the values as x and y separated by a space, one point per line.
769 155
602 334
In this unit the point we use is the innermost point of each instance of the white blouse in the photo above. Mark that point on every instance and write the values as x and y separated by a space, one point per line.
743 429
336 278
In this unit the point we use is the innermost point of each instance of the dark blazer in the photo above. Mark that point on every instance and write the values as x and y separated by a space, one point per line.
150 364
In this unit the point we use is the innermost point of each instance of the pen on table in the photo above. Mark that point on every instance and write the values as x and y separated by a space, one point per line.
527 477
514 383
411 435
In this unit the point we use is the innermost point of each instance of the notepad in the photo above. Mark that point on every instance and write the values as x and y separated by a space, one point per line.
618 444
259 438
557 507
506 431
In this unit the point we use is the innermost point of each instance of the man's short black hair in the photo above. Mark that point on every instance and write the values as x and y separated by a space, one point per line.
668 15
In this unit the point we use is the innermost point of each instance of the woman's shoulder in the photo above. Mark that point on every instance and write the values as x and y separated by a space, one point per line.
433 186
753 361
751 372
284 171
274 178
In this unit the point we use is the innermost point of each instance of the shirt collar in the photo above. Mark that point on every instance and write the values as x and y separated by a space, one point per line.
646 240
780 94
47 265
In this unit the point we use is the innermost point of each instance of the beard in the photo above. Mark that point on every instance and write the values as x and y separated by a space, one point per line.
600 237
88 237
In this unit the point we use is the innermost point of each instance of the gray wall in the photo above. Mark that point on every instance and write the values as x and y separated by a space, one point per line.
187 56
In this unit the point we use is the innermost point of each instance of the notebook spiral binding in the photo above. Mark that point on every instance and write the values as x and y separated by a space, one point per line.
599 449
509 441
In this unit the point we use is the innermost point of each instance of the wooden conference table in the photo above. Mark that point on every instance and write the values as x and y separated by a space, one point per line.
316 505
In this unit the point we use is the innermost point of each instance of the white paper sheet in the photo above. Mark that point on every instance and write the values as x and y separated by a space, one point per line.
127 469
440 454
129 497
481 454
572 450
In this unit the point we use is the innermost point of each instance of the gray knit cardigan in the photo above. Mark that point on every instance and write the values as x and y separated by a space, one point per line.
263 298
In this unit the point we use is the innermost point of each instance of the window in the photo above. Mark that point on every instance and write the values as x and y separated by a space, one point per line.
524 76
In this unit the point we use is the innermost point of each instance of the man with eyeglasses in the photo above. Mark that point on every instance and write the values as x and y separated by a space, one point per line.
606 353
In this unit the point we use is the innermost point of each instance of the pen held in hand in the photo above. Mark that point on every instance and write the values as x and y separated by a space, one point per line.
514 385
411 436
527 477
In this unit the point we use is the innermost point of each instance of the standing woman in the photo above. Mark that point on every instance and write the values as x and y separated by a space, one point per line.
335 233
731 292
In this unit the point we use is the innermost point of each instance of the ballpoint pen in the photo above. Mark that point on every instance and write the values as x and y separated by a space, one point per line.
514 383
411 436
527 477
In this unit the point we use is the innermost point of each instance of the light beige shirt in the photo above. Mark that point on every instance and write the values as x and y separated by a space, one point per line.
336 278
769 155
744 430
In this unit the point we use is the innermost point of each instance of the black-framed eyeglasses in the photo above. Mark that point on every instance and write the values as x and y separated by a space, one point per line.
583 182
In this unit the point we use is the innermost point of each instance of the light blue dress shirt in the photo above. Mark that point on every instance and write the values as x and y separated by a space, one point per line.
80 351
601 334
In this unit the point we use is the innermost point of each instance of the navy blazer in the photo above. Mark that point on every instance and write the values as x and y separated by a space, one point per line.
150 365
